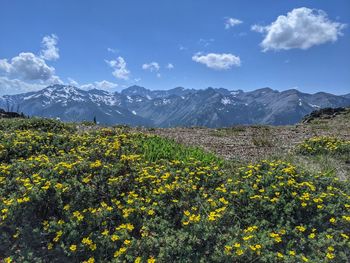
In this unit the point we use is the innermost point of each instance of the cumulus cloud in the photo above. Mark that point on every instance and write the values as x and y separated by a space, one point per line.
5 66
170 66
120 69
301 28
16 86
231 22
28 71
104 85
50 49
73 82
152 67
54 80
218 61
28 67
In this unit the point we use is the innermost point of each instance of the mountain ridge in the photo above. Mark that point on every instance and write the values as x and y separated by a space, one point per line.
138 106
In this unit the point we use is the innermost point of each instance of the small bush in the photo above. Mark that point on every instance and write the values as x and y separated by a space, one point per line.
324 145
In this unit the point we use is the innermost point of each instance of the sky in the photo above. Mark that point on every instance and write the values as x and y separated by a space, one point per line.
162 44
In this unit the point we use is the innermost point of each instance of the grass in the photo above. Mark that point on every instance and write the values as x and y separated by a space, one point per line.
154 148
261 136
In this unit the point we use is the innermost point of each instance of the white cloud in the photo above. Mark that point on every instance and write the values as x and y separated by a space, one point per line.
73 82
54 80
258 28
112 50
218 61
231 22
152 67
5 66
15 86
50 49
104 85
28 67
119 66
170 66
301 28
27 71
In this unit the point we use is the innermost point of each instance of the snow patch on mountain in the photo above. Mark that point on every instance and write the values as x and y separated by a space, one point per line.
227 101
314 106
107 99
166 101
235 92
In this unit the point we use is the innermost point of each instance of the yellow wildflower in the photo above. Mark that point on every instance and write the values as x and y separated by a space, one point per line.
330 255
73 248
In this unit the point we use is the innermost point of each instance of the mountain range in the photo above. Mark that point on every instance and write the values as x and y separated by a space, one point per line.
138 106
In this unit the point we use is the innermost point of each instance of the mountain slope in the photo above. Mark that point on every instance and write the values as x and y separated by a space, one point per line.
175 107
72 104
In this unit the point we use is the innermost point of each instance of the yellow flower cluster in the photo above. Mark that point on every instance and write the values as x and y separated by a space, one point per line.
324 144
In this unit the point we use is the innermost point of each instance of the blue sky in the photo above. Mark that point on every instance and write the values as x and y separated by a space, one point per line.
231 44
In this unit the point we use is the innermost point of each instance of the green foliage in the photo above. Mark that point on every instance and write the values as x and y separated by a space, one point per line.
37 124
88 123
115 196
154 148
324 145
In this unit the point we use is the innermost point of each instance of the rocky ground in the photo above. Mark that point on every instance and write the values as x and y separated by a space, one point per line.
252 143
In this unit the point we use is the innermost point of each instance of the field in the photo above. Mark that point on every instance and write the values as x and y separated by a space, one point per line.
79 193
244 144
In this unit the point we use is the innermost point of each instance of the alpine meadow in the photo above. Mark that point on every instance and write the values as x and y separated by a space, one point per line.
147 131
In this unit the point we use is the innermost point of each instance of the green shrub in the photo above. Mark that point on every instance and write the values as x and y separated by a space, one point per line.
324 145
38 124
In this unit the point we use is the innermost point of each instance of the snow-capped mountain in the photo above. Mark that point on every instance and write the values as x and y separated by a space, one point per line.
72 104
175 107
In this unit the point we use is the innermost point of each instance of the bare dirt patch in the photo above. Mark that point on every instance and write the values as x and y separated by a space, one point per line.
252 143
